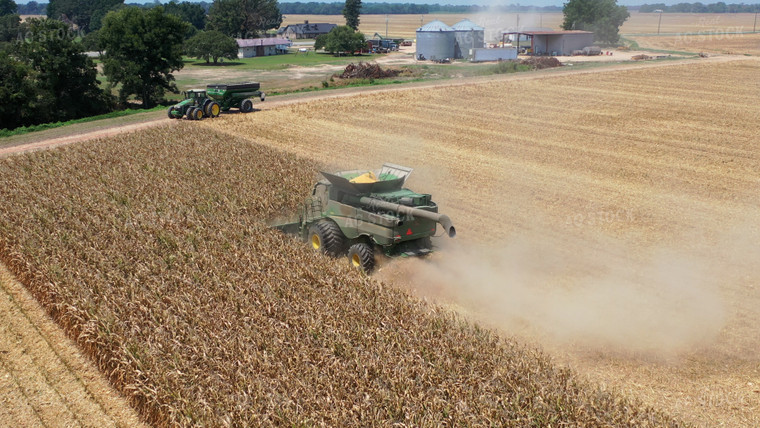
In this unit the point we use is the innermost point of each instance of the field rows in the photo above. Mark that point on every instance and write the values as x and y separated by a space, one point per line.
44 381
640 184
151 249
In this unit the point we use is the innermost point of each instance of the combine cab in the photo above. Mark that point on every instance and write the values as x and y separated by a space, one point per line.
355 213
216 98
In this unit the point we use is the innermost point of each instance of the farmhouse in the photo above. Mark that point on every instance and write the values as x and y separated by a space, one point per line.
305 30
553 42
248 48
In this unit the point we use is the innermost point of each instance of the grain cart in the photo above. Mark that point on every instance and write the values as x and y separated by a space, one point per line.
237 95
356 212
201 103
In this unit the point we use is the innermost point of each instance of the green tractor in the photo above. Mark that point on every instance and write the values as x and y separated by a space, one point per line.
200 103
195 106
355 213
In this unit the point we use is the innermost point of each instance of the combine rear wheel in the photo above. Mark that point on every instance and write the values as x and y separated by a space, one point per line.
362 257
326 236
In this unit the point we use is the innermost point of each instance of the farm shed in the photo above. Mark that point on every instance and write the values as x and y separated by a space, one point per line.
305 30
248 48
435 41
554 42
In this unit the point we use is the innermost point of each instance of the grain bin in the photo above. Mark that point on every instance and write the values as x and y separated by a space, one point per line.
435 41
468 36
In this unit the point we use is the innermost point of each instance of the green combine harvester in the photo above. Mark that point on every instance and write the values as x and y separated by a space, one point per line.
200 103
355 212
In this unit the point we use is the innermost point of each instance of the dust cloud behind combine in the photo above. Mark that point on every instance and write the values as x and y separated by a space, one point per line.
660 307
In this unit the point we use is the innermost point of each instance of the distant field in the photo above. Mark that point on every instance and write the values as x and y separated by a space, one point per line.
405 25
737 44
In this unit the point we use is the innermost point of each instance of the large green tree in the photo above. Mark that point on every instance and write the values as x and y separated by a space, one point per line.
10 27
142 48
603 17
65 77
244 19
8 7
18 94
210 45
192 13
86 14
341 40
351 12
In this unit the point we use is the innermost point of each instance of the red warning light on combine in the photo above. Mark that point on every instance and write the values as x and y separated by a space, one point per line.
409 232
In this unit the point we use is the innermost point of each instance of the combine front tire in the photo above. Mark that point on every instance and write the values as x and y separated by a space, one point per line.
246 106
361 257
326 236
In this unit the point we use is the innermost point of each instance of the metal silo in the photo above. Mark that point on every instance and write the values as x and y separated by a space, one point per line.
468 36
435 41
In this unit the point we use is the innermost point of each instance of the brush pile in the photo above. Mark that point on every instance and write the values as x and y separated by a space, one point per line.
367 70
541 62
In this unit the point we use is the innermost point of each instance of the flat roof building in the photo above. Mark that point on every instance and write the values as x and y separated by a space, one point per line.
553 42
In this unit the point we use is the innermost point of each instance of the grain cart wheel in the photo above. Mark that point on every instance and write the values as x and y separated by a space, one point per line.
246 106
361 257
326 236
212 109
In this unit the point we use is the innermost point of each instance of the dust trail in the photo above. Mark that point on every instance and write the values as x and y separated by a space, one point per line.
591 297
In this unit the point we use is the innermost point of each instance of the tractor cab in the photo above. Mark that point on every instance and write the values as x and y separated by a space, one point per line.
195 94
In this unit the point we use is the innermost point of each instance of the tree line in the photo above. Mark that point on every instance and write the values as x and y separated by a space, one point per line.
336 8
47 76
719 7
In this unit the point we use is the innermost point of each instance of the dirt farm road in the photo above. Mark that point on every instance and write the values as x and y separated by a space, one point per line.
52 138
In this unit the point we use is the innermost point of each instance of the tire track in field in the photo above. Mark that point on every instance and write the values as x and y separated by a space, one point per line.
44 379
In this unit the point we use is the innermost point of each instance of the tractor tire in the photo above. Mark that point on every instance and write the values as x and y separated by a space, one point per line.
246 106
190 113
325 236
205 105
198 114
170 112
362 257
212 109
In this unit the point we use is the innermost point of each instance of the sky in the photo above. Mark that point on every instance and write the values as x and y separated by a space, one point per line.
477 2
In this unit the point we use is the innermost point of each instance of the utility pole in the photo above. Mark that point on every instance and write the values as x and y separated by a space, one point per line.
659 21
386 26
754 27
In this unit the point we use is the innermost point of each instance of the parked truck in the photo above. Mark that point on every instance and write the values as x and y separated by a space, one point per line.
210 102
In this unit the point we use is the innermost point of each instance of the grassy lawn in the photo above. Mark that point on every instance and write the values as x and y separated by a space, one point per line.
279 62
